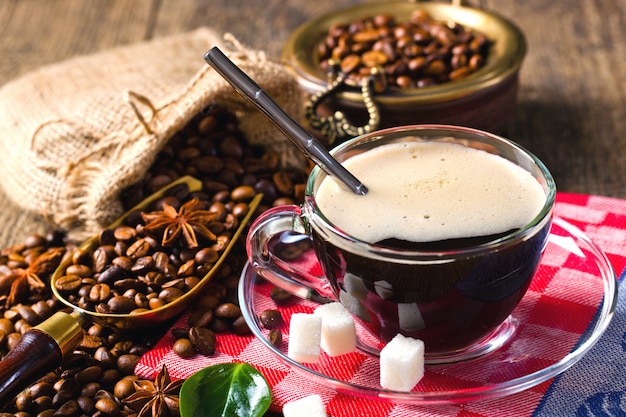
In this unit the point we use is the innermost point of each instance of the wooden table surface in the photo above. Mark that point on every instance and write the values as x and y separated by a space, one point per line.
571 105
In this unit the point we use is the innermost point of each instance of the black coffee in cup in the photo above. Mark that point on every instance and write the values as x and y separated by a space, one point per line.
444 200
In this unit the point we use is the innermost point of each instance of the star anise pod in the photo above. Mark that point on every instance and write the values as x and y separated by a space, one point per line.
170 225
158 398
31 279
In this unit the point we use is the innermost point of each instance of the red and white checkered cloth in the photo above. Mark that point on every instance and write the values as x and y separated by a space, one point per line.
602 219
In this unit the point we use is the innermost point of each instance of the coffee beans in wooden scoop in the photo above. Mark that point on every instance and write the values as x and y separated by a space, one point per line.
145 265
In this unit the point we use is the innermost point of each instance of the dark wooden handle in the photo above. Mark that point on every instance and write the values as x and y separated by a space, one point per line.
36 354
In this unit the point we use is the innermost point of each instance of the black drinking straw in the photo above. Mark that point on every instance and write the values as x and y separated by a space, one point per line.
314 150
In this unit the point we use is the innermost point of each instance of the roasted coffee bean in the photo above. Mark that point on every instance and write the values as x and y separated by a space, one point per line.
219 325
99 292
41 389
412 54
207 301
28 314
270 319
170 294
143 265
180 332
112 274
240 210
61 397
90 374
43 402
86 404
283 201
121 304
201 317
208 164
183 348
69 408
222 242
243 193
124 387
138 249
156 302
81 270
68 283
203 340
24 401
12 339
109 377
106 358
240 327
22 326
107 407
90 389
227 311
121 347
124 233
129 284
206 256
102 257
126 363
189 153
160 261
187 268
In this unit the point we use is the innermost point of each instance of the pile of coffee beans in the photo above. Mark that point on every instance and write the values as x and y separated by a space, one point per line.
212 149
418 53
85 384
216 311
98 375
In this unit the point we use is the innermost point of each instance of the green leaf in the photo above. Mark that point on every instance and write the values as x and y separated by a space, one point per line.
230 389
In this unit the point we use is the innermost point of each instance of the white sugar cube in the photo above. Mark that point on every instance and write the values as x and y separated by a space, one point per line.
305 334
401 363
311 406
338 331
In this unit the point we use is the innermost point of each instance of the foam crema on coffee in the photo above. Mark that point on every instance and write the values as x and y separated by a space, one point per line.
431 191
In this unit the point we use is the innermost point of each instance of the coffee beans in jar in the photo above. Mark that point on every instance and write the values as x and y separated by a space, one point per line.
420 52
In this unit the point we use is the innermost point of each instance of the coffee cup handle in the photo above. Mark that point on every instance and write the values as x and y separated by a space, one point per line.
286 275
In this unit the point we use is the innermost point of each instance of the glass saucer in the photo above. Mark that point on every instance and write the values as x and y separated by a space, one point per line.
567 308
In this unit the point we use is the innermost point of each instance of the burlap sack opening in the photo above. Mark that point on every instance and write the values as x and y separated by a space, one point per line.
74 134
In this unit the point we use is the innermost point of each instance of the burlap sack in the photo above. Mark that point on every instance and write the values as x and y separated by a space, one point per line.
74 134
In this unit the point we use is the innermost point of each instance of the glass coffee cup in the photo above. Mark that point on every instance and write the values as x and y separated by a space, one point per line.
454 286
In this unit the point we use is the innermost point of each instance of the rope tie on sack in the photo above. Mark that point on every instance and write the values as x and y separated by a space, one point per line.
115 141
133 99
